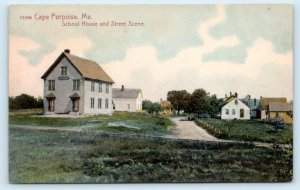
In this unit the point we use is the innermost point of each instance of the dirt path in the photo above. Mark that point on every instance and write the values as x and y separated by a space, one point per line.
189 130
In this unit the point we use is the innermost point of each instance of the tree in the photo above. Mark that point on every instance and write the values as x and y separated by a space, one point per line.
215 105
24 101
147 105
156 107
200 102
179 99
151 107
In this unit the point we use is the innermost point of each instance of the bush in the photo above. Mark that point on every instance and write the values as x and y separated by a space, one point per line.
163 122
278 123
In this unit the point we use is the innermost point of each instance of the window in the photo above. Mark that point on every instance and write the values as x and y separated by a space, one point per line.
76 84
107 88
106 103
99 103
235 101
100 86
93 86
63 70
92 102
227 111
233 111
51 85
128 106
277 114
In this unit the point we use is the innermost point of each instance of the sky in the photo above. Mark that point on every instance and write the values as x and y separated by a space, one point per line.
246 49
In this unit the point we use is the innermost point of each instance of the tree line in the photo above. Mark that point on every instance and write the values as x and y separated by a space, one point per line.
151 107
24 101
199 102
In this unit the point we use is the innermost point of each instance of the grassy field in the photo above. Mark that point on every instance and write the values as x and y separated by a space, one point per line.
247 131
42 156
119 122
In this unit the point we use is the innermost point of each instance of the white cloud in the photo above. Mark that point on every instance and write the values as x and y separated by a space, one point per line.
25 77
264 73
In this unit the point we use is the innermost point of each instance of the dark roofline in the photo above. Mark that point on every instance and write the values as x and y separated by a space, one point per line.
128 89
87 78
60 57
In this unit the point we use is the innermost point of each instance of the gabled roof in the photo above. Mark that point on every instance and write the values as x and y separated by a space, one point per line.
125 93
250 103
86 68
279 106
264 103
239 103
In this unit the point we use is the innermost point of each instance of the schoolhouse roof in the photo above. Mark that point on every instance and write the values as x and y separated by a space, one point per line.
86 68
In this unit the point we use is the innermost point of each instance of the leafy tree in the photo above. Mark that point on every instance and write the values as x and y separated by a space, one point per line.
156 107
151 107
146 105
24 101
215 105
200 102
39 103
179 99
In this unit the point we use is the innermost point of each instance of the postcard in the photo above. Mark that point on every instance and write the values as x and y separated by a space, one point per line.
150 93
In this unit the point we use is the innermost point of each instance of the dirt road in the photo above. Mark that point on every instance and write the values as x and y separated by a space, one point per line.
189 130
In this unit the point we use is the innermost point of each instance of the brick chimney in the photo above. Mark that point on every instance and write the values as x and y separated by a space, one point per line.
122 89
67 51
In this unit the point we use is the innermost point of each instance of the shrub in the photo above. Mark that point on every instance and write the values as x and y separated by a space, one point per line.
278 123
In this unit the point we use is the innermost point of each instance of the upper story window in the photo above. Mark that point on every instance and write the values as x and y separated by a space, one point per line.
63 70
76 84
100 86
93 86
236 102
107 88
51 85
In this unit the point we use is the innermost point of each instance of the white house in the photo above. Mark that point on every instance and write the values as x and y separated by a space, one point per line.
235 109
127 99
76 85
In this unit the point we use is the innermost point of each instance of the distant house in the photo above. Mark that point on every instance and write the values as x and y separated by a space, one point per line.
76 85
253 104
280 110
235 109
166 107
127 99
264 105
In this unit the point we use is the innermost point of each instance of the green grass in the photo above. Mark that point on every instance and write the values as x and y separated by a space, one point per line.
123 122
247 131
91 157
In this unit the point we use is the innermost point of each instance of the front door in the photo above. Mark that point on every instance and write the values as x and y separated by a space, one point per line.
242 113
51 104
75 106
